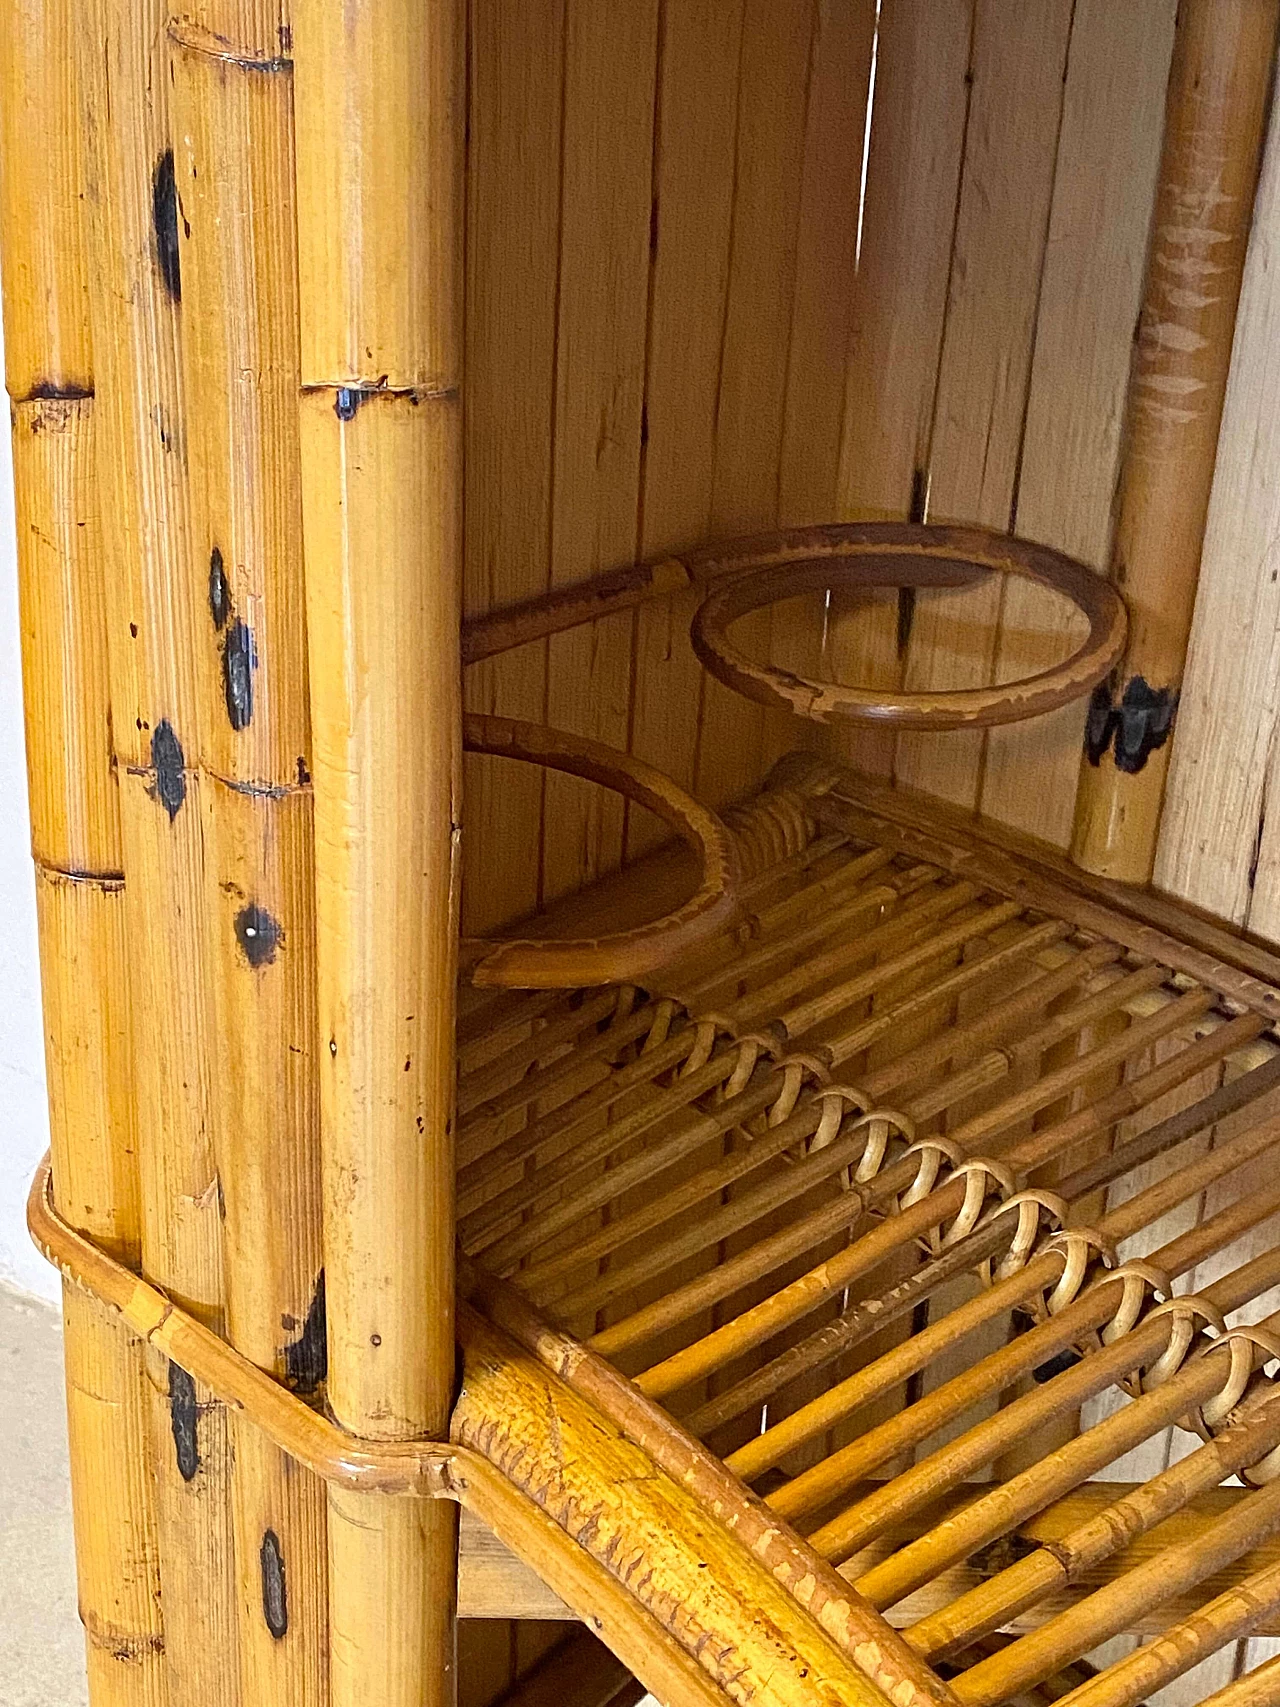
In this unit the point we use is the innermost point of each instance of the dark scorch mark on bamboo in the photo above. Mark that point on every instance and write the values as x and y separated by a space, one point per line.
275 1602
258 934
49 391
164 222
169 763
219 592
183 1417
238 663
1133 728
306 1359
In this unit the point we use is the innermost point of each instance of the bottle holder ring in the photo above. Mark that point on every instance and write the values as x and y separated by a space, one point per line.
621 956
747 575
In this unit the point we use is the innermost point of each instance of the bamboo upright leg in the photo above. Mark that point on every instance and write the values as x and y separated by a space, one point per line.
378 113
135 300
1214 116
76 841
231 99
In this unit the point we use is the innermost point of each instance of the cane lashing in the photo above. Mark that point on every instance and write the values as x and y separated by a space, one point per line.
622 956
865 555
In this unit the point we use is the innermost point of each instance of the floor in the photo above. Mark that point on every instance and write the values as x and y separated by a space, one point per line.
41 1643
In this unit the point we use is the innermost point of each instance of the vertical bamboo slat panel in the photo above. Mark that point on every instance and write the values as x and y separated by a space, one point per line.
76 840
1090 293
841 52
232 112
773 91
1018 62
131 208
378 119
606 197
693 185
908 215
1218 89
513 230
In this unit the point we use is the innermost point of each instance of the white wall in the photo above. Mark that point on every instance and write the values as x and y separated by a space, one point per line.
24 1127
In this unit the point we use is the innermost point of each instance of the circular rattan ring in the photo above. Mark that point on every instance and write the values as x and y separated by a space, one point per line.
752 573
553 963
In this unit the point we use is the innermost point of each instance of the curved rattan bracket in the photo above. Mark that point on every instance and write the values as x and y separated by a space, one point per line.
622 957
750 574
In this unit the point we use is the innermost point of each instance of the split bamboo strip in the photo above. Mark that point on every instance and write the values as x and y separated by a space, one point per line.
1214 113
1017 70
131 208
378 116
232 114
750 410
516 95
899 300
695 142
1090 292
76 842
606 202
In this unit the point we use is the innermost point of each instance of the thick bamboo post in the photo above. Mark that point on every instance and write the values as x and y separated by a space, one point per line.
76 840
132 214
378 115
1215 109
231 98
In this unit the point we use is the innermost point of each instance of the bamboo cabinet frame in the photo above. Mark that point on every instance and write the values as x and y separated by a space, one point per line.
711 1237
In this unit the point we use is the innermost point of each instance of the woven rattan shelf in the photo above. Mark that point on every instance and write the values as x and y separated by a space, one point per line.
874 1230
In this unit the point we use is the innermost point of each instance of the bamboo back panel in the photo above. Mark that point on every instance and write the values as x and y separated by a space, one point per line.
848 261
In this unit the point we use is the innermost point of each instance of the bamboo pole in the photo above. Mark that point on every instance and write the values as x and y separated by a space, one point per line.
131 208
231 98
378 113
1214 115
76 842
